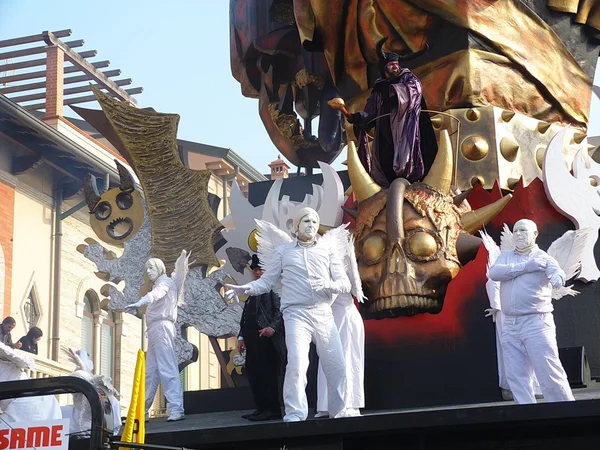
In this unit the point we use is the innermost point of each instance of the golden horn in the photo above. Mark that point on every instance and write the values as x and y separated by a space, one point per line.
363 185
475 220
440 174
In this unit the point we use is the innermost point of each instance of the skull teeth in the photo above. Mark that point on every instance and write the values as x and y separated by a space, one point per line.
405 301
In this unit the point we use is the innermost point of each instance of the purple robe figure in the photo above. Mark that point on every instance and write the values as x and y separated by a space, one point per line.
404 143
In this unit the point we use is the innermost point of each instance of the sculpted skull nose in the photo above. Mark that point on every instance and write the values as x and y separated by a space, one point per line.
397 261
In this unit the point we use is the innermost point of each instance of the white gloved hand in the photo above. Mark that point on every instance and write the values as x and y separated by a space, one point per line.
536 264
131 309
234 291
319 284
492 312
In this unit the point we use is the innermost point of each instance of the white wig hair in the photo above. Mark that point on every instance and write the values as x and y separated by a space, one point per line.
158 264
303 213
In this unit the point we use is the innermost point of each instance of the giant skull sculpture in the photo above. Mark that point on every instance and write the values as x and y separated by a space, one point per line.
411 240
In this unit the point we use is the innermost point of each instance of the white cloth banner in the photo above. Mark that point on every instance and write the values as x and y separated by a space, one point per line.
37 435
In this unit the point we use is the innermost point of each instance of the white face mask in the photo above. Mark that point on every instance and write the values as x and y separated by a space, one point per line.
308 227
524 235
152 272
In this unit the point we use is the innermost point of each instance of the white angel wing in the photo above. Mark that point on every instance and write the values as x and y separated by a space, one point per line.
269 238
568 248
353 274
567 251
342 243
507 241
18 359
75 359
106 383
179 275
491 247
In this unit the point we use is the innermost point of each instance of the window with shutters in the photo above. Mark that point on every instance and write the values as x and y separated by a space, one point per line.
107 350
87 323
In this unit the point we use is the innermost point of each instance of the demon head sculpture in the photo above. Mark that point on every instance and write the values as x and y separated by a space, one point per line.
411 240
116 215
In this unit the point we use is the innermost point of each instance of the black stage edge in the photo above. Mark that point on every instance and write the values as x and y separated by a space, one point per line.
502 425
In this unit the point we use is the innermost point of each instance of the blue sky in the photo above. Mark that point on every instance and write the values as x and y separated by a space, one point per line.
178 51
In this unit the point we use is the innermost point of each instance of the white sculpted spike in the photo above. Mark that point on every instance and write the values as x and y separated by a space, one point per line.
576 196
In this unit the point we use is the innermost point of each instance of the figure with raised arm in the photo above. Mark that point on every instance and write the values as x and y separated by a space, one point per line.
310 272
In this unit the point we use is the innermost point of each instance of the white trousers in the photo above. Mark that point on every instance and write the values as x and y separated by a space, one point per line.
304 325
161 366
529 346
352 335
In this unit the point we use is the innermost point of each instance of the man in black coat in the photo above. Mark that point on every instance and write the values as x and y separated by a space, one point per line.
262 337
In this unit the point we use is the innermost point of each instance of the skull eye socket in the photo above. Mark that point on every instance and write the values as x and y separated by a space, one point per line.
373 249
124 200
103 211
422 244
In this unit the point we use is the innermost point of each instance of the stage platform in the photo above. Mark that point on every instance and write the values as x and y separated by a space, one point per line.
499 425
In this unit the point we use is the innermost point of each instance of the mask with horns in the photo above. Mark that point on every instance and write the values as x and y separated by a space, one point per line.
118 214
386 57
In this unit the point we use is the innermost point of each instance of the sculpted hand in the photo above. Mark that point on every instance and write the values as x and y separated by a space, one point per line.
131 308
234 291
492 312
319 284
266 332
536 264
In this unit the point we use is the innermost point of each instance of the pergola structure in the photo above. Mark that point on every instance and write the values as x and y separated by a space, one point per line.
62 66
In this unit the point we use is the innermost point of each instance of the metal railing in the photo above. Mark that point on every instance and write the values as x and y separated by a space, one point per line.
62 385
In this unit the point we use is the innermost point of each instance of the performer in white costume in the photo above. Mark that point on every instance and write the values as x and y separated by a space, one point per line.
494 311
25 409
310 272
80 413
527 276
161 359
352 334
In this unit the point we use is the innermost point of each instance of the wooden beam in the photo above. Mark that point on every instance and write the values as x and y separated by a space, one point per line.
42 84
84 99
37 50
222 363
32 38
42 73
72 56
22 164
75 90
41 61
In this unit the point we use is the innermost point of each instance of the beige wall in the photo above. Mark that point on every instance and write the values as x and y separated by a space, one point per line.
33 263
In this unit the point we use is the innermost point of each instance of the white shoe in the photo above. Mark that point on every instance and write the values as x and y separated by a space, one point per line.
352 412
292 419
321 414
176 417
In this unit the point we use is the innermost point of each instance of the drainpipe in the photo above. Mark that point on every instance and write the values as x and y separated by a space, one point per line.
226 179
58 201
59 216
